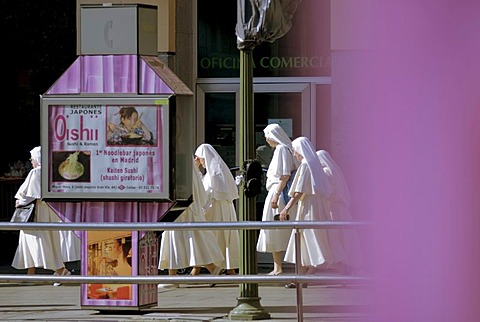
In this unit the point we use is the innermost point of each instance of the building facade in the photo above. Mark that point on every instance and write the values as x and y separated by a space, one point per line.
293 78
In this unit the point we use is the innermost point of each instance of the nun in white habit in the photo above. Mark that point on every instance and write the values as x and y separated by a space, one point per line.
37 248
339 206
221 191
191 248
279 171
311 190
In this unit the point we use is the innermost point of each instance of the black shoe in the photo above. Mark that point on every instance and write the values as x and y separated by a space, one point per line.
291 285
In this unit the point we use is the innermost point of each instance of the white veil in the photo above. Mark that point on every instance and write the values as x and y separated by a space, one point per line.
338 179
304 147
221 179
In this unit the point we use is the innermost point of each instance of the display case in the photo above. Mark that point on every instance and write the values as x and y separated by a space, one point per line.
108 136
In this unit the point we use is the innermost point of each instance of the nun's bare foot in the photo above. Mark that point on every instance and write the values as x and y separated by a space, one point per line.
231 272
274 273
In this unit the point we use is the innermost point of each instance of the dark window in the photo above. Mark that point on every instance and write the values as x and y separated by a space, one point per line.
303 51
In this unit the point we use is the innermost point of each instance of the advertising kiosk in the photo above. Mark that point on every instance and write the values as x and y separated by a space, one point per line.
108 138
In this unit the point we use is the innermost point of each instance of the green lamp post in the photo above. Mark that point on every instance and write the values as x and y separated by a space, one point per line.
268 20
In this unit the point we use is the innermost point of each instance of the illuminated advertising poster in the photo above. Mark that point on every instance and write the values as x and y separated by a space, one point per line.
110 253
107 150
119 253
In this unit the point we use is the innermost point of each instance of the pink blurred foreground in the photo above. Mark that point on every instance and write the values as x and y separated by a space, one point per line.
413 132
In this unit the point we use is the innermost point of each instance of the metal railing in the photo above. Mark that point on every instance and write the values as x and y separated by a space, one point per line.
159 279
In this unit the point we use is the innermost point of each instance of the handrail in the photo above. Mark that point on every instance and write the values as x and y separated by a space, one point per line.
185 279
161 226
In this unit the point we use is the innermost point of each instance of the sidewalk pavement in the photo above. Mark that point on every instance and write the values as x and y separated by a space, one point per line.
198 302
189 302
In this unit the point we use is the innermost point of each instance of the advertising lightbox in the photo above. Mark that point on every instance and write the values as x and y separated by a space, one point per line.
107 148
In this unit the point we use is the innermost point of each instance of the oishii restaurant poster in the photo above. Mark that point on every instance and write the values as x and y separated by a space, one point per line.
103 151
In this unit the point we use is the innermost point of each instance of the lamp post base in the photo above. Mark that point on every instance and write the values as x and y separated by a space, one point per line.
248 308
